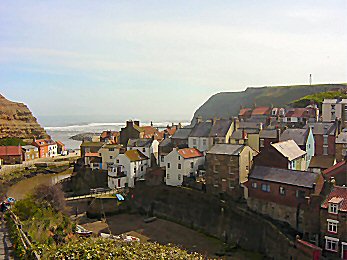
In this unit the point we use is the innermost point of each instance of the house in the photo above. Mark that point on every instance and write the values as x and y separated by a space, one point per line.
333 224
30 152
199 137
285 155
222 130
109 136
278 112
268 136
90 147
11 154
165 147
324 136
227 167
92 160
338 172
319 163
303 138
47 147
182 162
60 147
333 109
147 146
245 113
281 193
261 113
108 153
300 116
131 130
128 168
247 133
341 146
152 132
180 137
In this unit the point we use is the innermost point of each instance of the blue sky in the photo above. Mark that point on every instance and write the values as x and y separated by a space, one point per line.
162 59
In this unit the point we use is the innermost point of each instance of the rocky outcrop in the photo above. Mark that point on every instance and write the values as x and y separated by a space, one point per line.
16 120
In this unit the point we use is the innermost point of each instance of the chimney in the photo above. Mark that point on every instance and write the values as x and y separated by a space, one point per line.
278 133
137 123
151 123
333 181
129 123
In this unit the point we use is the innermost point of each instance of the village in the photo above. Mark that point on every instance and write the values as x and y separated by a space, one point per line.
287 164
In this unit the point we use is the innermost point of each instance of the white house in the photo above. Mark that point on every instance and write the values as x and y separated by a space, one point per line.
147 146
127 168
108 153
182 162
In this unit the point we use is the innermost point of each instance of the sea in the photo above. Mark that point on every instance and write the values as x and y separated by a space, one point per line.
64 133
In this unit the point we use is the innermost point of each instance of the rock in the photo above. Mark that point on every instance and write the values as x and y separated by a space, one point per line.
16 120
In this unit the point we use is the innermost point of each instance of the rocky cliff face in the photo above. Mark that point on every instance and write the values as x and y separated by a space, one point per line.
16 120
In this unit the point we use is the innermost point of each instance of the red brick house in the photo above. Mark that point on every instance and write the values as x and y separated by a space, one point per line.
267 137
334 224
338 172
281 193
324 136
11 154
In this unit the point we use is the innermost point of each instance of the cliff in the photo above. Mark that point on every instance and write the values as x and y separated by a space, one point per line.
227 104
16 120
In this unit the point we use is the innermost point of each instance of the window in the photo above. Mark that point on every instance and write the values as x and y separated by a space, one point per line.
143 149
179 166
300 194
325 139
333 208
332 225
117 161
192 165
179 157
332 107
261 142
247 168
162 158
141 168
331 243
194 141
111 150
230 170
282 191
265 187
168 165
179 177
215 168
111 157
204 142
231 184
254 185
134 170
167 176
325 150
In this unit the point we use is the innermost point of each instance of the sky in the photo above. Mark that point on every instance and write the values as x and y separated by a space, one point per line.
162 59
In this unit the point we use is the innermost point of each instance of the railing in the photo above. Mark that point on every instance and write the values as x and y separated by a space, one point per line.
23 237
94 195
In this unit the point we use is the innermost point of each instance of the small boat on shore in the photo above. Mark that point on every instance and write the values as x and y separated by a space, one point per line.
81 231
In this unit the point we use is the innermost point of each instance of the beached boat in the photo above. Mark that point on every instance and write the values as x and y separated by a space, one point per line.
81 231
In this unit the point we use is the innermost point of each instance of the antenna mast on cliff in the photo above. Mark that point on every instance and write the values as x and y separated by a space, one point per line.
310 79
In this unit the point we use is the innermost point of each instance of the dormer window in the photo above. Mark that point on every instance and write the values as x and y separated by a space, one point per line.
333 208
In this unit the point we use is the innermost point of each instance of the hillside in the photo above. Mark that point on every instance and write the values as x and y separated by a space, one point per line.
226 104
16 120
317 98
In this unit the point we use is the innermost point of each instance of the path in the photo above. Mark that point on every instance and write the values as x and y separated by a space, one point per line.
6 251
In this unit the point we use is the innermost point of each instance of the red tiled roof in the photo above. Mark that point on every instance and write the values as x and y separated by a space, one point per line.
10 150
243 111
92 155
337 192
187 153
43 142
301 112
307 244
261 111
339 166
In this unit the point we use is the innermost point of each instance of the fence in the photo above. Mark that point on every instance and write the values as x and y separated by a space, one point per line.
94 195
23 237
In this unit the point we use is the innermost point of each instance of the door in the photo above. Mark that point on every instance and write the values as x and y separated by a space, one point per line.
344 251
118 186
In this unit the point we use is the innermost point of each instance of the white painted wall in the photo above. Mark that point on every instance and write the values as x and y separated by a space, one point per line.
201 143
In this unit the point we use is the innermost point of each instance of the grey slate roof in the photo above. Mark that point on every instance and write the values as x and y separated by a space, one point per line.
341 138
165 142
285 176
182 133
221 127
268 133
227 149
252 125
141 142
202 129
322 128
298 135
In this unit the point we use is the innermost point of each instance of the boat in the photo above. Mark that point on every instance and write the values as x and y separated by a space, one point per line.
81 231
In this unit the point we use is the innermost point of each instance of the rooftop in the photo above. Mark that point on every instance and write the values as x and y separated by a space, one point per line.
289 149
268 133
141 142
182 133
135 155
188 153
221 127
297 134
226 149
202 129
337 195
92 144
261 111
285 176
341 138
10 150
322 128
322 161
